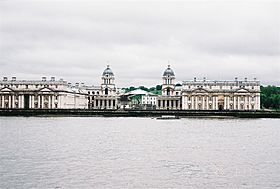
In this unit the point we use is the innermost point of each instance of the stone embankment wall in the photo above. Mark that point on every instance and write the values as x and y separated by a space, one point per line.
137 113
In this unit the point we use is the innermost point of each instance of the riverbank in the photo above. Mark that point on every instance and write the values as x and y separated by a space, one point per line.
137 113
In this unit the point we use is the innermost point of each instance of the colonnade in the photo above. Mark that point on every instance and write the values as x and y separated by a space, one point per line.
169 104
28 101
104 103
224 102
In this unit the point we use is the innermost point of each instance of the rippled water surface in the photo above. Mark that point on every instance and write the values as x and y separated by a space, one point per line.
92 152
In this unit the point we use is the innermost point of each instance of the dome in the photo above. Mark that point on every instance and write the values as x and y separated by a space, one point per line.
108 71
168 72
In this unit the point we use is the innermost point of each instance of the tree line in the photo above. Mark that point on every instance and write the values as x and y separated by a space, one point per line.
270 97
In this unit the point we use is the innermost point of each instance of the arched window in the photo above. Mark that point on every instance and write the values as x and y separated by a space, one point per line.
168 92
106 91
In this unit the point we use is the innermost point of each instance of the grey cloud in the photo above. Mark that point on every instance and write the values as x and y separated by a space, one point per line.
75 40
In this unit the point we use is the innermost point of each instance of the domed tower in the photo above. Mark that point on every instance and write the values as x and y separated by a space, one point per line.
108 85
168 82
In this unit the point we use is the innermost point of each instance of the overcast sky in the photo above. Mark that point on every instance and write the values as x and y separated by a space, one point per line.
76 40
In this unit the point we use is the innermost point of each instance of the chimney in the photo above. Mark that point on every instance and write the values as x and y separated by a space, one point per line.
44 79
5 79
52 78
14 78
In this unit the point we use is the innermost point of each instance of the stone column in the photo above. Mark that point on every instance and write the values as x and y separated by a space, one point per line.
19 101
228 104
13 101
39 101
225 102
238 102
203 102
207 102
49 105
9 102
43 101
59 99
3 101
258 104
53 99
183 103
214 102
30 101
250 102
33 102
192 100
217 101
234 102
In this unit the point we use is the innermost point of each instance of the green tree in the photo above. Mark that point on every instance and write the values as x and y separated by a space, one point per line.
158 87
270 97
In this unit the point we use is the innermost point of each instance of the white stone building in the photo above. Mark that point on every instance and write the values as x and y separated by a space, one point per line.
171 94
209 95
190 95
149 99
41 94
106 95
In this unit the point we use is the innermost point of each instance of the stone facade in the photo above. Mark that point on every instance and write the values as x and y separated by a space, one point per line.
209 95
44 94
105 96
190 95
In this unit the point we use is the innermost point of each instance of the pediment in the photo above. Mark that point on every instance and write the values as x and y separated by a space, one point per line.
6 89
200 90
46 90
242 91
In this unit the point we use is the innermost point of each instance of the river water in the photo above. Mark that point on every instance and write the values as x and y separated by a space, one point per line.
95 152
